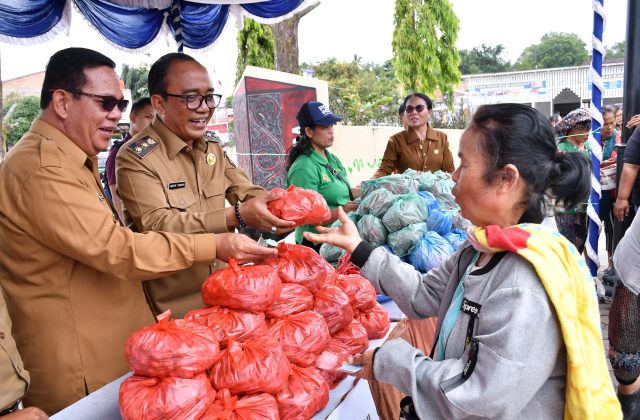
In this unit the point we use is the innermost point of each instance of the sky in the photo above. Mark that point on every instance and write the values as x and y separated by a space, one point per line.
344 28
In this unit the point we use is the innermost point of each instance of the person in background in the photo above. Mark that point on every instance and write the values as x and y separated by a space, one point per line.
174 176
141 115
608 136
520 327
619 115
310 165
419 146
629 184
14 379
574 132
70 272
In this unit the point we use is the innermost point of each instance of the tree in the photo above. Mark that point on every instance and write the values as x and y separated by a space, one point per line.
617 51
556 49
286 41
363 94
425 56
18 114
483 59
255 47
136 79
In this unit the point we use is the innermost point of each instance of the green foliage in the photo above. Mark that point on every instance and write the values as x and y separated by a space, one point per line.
617 51
483 59
135 79
556 49
363 94
256 47
425 56
27 109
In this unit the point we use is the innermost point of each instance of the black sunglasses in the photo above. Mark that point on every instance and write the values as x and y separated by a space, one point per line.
108 102
194 102
418 108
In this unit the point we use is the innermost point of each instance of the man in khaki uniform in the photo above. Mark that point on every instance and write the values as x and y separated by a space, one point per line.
174 176
14 379
70 272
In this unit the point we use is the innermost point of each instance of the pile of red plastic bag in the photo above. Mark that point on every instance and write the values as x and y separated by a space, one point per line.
267 345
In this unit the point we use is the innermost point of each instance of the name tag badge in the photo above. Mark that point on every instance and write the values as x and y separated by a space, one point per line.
471 308
177 185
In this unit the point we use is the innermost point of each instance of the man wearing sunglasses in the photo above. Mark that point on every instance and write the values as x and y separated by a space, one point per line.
174 176
70 272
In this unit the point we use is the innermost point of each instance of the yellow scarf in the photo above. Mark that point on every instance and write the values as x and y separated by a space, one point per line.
566 279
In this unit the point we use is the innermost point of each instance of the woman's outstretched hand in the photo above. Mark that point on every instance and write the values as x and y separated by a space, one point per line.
346 236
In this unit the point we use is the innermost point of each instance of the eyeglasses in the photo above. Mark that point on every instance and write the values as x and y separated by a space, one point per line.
108 102
410 108
194 102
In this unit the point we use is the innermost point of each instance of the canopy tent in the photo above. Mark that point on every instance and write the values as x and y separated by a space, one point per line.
134 24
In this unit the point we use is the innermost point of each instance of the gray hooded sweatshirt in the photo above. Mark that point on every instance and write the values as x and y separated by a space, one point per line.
520 369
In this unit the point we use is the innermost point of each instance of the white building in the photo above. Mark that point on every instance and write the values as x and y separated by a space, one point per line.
548 90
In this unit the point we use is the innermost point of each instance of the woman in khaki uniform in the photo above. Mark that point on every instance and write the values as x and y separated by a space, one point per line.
419 146
422 148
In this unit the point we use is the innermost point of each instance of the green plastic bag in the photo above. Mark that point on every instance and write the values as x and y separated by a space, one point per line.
376 203
372 230
406 210
403 241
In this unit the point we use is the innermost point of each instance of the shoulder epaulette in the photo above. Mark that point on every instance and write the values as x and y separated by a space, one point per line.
143 147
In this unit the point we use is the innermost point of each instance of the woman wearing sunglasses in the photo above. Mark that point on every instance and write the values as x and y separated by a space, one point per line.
419 146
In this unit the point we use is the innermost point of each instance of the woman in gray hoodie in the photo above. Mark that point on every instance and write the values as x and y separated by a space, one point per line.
500 351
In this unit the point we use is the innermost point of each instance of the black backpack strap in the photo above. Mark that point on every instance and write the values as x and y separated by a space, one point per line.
340 177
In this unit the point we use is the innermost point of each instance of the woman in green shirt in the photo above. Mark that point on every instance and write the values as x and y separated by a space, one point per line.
574 131
310 165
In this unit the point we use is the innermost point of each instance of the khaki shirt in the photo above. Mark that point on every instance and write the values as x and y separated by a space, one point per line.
169 186
406 151
14 380
70 272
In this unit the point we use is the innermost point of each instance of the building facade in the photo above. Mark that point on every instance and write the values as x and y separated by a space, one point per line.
548 90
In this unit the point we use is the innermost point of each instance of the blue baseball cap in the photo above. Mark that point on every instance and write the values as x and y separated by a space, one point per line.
315 113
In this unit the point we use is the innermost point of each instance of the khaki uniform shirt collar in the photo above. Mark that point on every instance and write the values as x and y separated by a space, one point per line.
64 143
413 136
172 142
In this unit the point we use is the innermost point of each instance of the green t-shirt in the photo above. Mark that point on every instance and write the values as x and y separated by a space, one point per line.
567 146
308 171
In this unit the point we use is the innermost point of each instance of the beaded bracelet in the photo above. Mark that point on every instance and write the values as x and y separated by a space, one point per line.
237 210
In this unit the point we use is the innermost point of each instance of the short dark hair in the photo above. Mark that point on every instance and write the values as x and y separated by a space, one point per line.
158 73
65 70
401 109
139 105
520 135
419 95
608 110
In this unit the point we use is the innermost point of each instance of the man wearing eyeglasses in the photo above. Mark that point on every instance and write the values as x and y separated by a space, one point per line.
70 272
174 176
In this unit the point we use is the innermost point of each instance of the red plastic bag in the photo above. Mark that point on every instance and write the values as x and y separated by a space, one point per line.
249 287
334 355
255 365
302 265
333 304
172 348
354 337
362 294
229 323
302 336
143 398
375 321
305 393
305 207
253 407
293 299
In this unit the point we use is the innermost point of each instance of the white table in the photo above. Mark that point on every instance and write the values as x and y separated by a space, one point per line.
103 403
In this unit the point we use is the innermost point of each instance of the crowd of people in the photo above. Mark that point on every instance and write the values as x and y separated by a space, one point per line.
80 272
